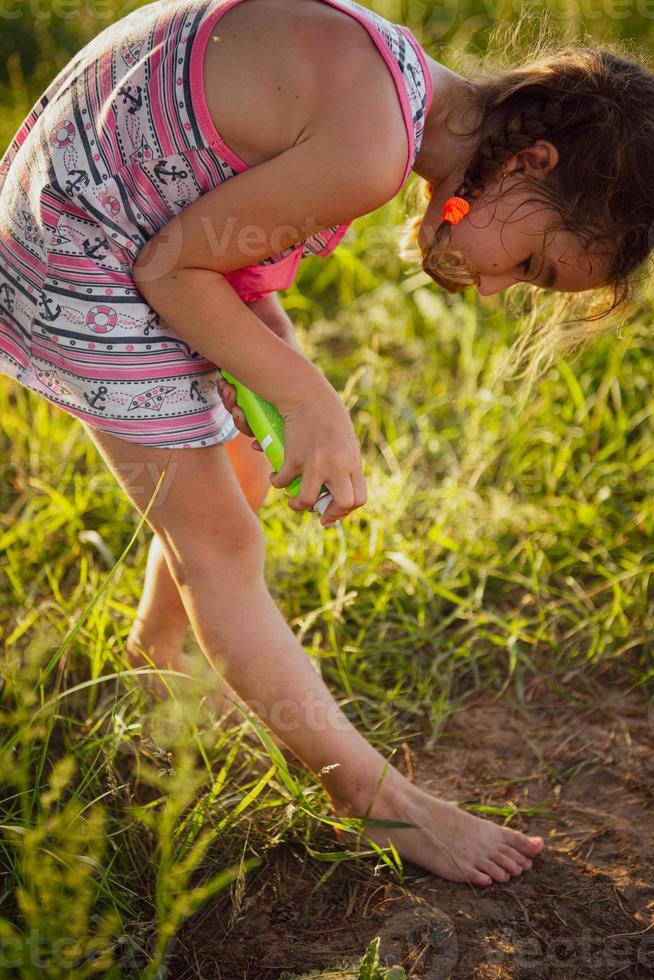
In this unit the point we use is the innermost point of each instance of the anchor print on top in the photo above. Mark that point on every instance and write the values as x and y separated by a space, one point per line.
47 311
194 392
99 170
152 398
154 322
76 237
95 251
134 100
78 179
172 172
97 399
130 111
173 178
7 296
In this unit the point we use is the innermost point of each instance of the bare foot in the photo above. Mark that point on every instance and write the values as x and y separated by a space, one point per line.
167 652
448 841
164 650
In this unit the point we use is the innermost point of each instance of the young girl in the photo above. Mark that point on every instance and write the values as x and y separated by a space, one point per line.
166 185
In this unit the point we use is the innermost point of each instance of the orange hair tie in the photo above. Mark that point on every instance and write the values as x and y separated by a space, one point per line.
454 209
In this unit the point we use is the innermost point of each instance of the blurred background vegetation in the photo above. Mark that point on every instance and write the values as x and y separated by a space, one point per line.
500 549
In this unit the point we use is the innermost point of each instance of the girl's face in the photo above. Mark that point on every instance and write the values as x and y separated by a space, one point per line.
507 240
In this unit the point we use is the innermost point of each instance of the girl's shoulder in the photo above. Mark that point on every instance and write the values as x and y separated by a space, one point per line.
281 69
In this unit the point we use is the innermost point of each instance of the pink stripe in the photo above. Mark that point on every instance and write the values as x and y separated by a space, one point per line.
425 67
29 263
8 346
334 240
200 103
126 429
202 114
397 78
49 351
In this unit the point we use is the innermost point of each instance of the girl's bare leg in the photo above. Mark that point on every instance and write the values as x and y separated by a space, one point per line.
161 622
215 550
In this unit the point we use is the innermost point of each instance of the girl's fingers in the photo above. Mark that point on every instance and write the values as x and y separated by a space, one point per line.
342 503
310 484
240 422
359 487
227 394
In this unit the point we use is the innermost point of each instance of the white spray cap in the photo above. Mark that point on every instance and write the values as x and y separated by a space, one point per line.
322 503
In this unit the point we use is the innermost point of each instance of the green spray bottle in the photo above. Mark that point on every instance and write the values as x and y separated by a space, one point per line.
268 427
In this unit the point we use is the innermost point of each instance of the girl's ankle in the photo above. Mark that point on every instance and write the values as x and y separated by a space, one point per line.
143 637
354 799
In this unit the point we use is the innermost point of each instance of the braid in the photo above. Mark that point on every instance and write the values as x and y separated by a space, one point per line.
510 125
516 130
518 109
595 106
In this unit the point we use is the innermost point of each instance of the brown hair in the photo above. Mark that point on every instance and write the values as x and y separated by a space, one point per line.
596 105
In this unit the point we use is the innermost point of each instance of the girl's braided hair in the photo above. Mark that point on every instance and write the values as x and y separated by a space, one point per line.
596 105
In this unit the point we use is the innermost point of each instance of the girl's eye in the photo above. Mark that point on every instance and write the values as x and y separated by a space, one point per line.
526 265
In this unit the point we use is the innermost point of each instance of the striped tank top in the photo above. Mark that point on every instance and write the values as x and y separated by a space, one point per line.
119 143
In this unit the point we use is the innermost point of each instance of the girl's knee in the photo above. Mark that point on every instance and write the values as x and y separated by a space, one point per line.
194 552
197 510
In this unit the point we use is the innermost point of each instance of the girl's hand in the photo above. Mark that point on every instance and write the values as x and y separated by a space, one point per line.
321 447
227 393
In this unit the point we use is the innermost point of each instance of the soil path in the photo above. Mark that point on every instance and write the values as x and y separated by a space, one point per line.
585 910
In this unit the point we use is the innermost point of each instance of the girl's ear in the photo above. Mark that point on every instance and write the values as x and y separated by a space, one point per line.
537 160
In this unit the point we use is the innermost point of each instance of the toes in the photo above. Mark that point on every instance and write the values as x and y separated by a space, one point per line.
476 877
516 856
507 862
526 845
494 870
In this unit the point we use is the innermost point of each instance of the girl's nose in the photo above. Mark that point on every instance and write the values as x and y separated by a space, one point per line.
489 285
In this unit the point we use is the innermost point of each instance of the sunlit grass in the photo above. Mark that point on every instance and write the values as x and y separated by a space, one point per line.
503 550
496 550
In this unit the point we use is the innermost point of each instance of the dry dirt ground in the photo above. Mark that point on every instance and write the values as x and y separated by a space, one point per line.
585 909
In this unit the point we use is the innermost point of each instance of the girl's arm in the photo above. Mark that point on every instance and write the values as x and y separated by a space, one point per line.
331 176
328 178
272 313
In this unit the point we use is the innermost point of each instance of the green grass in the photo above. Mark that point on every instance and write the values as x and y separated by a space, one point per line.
503 550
